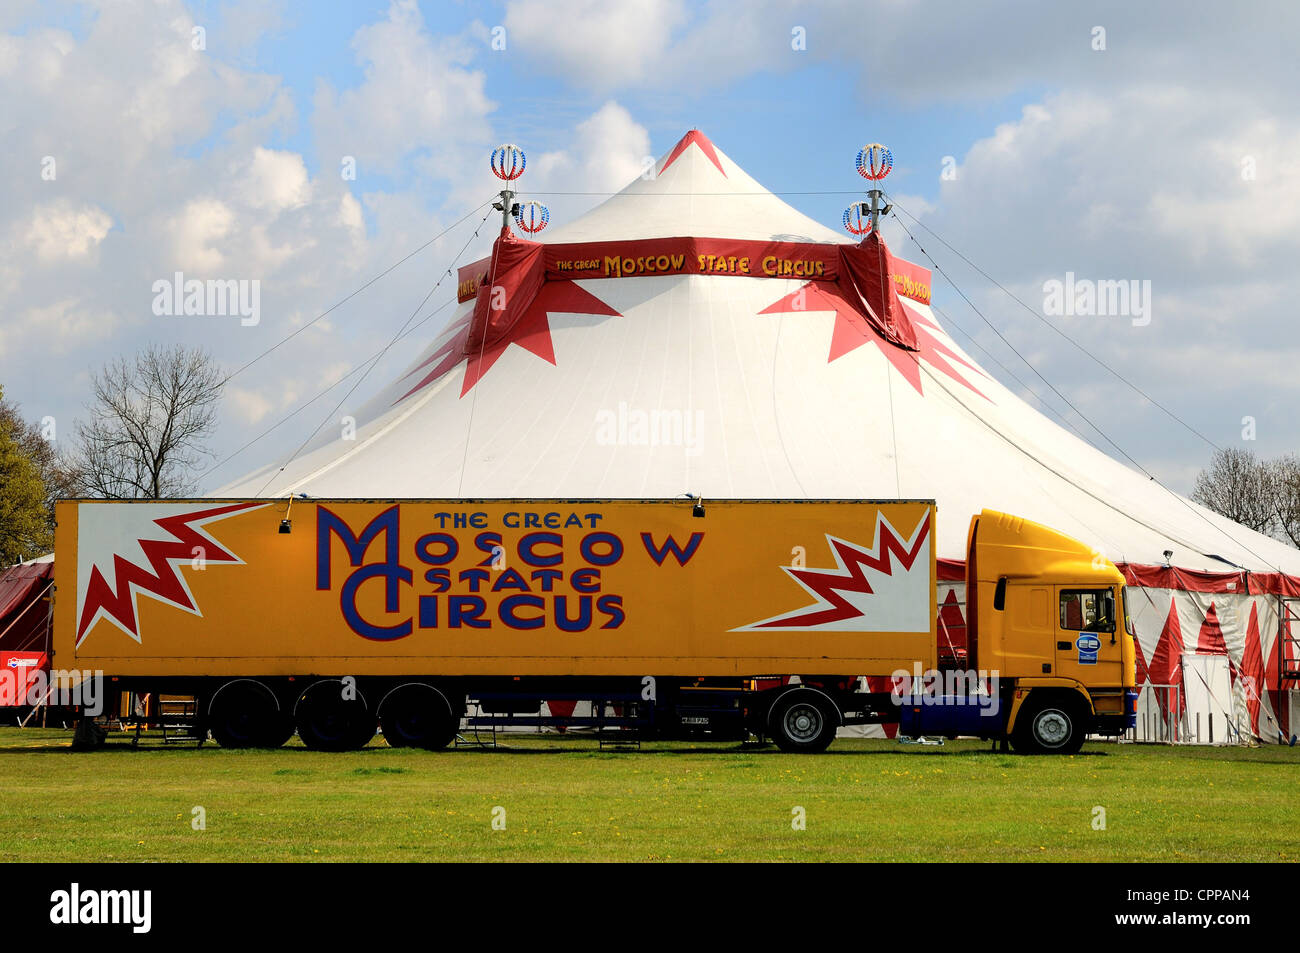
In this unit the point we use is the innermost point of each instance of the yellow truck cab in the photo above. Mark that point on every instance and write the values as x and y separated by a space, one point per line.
1049 616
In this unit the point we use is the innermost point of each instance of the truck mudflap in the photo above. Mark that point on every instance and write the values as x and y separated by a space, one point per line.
951 715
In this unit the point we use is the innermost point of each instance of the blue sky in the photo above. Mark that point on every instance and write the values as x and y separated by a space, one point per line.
1121 162
310 43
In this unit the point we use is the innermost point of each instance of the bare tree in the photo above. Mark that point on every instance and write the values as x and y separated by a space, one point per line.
149 418
1239 486
1284 478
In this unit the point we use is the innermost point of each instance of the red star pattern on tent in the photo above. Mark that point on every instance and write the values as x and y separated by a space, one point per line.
1143 674
532 332
951 626
701 141
1210 639
1167 660
1252 669
852 330
160 579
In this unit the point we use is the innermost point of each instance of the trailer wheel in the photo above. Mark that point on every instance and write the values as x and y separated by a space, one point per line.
418 716
802 722
329 721
1048 726
245 714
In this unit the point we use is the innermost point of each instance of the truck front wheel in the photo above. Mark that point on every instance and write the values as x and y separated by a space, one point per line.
1049 726
802 722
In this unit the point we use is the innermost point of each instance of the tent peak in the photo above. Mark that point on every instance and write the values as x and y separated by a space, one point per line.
700 141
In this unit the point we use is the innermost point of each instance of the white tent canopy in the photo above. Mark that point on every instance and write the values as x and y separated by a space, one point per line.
692 383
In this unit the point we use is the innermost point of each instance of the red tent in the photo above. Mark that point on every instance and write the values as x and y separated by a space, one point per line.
24 614
23 606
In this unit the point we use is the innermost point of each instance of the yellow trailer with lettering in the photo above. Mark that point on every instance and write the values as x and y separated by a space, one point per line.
788 619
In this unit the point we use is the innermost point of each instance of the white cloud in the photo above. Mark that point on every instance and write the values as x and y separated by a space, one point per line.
417 96
1133 181
350 214
1132 185
61 229
276 180
333 373
199 232
606 152
251 406
593 42
61 327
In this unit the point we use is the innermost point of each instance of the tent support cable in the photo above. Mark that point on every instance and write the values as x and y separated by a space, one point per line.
482 348
1150 476
1116 374
374 363
345 300
321 393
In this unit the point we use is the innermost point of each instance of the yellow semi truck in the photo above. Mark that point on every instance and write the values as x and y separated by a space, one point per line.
782 619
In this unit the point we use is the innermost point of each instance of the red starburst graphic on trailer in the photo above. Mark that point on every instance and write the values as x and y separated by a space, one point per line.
869 590
852 330
160 579
532 332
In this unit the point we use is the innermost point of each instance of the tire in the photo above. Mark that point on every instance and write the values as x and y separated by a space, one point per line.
418 716
327 721
280 732
802 722
1049 726
246 714
88 735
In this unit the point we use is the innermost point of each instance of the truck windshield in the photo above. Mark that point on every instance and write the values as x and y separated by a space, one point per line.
1088 610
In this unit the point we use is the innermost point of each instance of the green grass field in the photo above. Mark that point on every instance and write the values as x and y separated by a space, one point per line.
564 799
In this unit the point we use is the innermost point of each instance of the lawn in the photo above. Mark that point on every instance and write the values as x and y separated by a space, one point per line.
561 798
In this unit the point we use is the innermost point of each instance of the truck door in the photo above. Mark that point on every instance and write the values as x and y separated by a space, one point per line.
1088 635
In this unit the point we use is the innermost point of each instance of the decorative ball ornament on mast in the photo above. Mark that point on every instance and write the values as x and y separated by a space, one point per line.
531 216
508 163
874 163
857 219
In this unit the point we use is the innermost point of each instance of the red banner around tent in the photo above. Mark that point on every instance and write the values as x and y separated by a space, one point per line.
650 257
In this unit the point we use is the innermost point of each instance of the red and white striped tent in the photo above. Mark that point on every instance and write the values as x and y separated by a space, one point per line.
694 334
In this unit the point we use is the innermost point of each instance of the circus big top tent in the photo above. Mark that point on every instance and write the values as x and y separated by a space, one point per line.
694 334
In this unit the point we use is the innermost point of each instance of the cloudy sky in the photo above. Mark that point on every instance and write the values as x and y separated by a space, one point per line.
1153 142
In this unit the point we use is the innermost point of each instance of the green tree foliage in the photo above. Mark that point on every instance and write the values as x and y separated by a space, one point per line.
25 526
